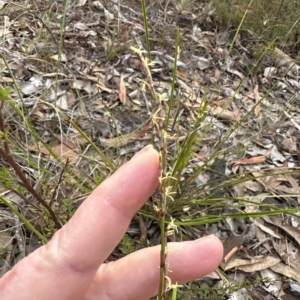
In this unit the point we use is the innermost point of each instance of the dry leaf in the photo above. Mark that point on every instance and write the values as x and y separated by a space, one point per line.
122 90
265 263
203 63
183 76
249 161
62 57
81 3
62 151
236 262
277 221
226 115
285 270
267 229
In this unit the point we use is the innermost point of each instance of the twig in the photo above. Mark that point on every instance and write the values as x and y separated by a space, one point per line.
6 154
8 157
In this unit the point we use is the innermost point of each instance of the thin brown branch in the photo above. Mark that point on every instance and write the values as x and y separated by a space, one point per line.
27 185
6 154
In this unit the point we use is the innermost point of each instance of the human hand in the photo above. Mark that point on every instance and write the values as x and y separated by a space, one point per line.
71 265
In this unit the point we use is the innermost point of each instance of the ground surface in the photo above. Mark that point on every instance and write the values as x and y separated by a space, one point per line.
88 78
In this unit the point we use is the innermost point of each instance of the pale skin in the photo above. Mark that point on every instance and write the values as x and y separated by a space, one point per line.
71 265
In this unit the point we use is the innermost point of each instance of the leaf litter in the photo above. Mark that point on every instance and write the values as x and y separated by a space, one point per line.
97 81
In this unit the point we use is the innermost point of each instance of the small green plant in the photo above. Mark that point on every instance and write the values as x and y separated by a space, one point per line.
177 190
127 246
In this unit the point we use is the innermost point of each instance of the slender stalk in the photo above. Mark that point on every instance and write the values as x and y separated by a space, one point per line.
162 214
162 191
161 121
174 294
146 28
170 105
159 116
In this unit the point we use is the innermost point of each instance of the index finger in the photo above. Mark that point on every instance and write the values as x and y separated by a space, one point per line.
101 221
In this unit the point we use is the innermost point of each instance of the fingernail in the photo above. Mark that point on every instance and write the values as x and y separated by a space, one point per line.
145 149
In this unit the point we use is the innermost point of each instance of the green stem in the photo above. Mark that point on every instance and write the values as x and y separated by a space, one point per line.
146 28
162 284
170 105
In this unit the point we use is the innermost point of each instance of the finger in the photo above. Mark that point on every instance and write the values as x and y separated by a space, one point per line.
65 267
100 223
140 270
